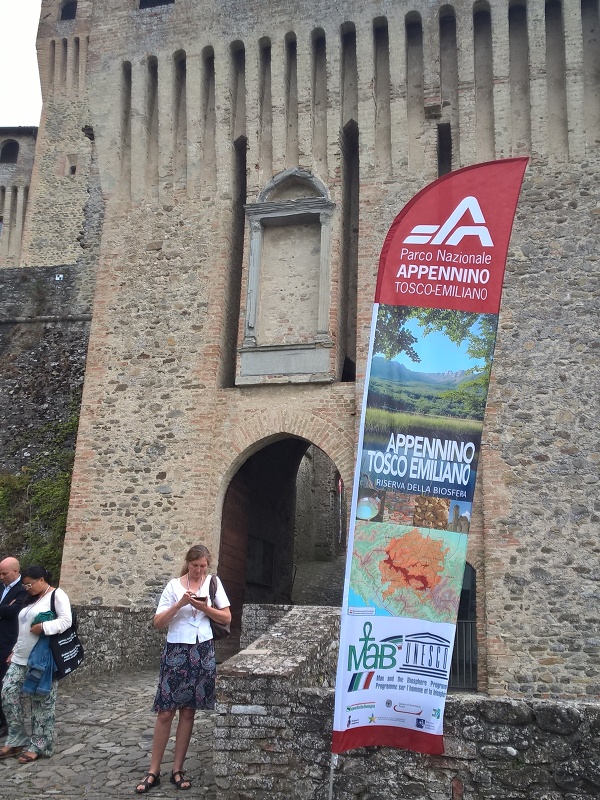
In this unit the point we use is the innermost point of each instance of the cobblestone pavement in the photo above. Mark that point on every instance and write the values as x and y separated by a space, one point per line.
102 746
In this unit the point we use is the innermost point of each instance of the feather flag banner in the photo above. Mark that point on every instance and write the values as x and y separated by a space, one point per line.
433 334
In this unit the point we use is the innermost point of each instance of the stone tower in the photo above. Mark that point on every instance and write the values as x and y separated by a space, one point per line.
241 165
17 147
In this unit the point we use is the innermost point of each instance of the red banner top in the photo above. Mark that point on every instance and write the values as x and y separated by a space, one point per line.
447 247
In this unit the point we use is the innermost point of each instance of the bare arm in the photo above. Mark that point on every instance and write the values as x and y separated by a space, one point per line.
163 618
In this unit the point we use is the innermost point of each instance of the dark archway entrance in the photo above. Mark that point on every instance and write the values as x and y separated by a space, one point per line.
283 511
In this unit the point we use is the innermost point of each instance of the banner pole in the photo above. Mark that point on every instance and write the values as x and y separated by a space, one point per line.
332 766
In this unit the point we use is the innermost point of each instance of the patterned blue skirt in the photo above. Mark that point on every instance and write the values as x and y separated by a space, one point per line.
187 677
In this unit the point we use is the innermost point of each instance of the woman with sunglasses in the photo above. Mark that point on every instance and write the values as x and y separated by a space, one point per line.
36 581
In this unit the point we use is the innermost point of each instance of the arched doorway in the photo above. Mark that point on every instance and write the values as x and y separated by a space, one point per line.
283 529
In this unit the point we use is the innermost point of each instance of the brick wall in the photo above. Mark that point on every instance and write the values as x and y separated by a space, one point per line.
164 430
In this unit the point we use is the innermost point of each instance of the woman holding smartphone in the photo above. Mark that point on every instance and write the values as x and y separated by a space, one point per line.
188 665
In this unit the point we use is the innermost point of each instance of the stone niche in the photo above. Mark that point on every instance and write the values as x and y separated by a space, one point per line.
286 332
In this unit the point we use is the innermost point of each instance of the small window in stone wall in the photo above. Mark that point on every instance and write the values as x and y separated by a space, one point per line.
155 3
70 165
286 330
9 152
68 10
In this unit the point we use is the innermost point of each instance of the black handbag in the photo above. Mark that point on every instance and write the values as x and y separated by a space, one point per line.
66 648
219 630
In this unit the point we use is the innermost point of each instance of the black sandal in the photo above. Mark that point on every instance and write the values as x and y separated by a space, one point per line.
180 782
148 784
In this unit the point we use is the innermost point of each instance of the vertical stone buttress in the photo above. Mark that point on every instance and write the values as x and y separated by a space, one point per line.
55 217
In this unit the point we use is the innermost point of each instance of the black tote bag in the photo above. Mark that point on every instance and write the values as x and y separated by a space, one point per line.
66 648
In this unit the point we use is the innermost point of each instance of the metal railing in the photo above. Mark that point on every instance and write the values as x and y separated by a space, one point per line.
463 671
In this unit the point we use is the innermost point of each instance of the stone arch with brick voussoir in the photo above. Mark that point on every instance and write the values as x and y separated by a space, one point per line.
283 527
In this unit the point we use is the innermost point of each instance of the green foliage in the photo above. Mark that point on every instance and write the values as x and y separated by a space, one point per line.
380 423
465 401
12 513
391 337
34 503
472 394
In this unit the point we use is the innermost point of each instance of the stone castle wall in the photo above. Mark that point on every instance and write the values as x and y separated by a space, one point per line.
44 331
61 178
273 734
17 148
191 124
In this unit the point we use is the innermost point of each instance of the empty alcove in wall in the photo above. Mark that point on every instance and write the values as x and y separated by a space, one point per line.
415 97
319 100
151 89
382 93
180 120
291 101
239 142
556 81
448 127
590 24
520 102
265 108
350 186
286 331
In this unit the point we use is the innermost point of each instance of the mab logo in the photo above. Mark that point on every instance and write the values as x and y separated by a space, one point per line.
452 232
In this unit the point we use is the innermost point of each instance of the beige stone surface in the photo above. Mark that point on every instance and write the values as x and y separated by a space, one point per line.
164 428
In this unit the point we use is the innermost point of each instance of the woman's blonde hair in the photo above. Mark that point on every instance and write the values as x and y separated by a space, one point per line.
195 552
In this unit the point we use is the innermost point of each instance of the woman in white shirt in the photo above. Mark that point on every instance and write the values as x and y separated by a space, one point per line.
36 581
188 665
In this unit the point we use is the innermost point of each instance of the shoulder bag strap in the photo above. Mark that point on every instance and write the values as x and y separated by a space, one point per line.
212 589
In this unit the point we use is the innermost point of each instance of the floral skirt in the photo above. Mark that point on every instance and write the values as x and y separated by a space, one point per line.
187 677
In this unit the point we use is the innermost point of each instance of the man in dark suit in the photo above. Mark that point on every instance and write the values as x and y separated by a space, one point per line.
12 598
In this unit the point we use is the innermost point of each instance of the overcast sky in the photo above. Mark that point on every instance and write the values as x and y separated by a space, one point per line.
20 96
